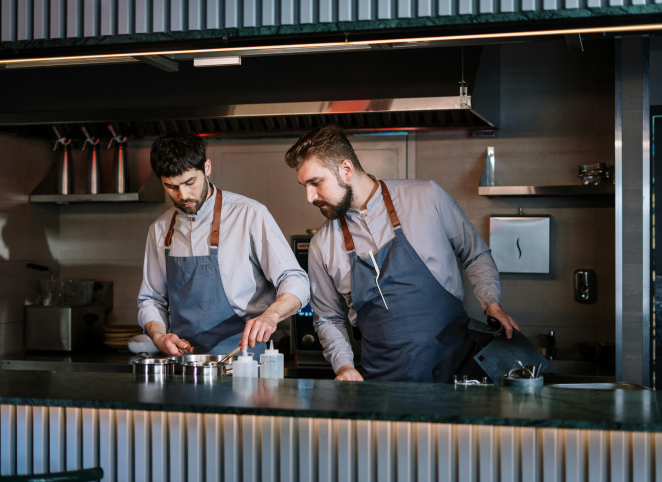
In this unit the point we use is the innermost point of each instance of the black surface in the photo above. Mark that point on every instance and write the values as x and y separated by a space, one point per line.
489 405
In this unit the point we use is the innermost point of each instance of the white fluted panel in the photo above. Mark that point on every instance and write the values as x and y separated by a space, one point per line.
142 441
107 444
213 446
194 447
447 441
307 450
530 455
40 440
177 446
231 447
90 438
488 453
23 440
159 446
250 435
269 450
405 456
509 444
56 431
327 449
346 450
74 438
365 451
7 440
598 470
167 447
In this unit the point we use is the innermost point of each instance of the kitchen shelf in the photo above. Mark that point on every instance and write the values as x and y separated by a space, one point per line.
574 190
151 191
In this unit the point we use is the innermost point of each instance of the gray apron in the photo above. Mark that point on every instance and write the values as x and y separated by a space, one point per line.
199 309
422 335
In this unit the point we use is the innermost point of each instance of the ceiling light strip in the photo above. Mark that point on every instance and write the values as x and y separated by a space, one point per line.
539 33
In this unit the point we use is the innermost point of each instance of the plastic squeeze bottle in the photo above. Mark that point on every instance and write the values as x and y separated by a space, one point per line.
275 369
244 366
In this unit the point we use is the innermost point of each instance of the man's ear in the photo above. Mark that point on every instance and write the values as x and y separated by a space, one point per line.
208 167
346 170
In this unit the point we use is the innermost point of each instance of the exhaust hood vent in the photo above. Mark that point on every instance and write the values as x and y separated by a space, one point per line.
266 119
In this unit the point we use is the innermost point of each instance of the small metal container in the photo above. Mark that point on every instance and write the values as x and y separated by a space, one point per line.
203 369
153 366
522 382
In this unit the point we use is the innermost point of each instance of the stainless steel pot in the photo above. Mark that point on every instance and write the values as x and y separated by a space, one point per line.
181 359
153 366
203 369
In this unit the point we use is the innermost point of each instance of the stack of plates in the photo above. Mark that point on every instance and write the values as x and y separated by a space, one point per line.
117 337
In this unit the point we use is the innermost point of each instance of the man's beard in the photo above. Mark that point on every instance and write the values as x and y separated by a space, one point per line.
335 211
197 202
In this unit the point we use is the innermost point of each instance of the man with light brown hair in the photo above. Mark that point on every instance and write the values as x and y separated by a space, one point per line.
389 248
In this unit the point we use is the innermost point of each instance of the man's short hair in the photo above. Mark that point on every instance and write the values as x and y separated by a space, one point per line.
328 144
177 152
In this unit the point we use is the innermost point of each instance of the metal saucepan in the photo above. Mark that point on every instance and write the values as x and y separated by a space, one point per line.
203 370
222 359
153 366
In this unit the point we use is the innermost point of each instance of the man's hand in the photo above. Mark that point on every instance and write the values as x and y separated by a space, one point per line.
259 329
508 323
171 344
348 373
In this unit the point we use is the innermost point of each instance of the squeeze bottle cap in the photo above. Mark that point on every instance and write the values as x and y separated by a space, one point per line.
244 357
271 351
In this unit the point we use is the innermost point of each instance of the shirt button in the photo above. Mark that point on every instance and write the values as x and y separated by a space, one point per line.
192 220
365 215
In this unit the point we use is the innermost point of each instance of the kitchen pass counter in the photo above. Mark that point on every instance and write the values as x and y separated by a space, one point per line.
631 410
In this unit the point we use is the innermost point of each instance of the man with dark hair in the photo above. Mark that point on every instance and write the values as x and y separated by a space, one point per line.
389 248
218 271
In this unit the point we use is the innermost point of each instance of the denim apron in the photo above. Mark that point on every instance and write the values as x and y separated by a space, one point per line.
422 335
200 311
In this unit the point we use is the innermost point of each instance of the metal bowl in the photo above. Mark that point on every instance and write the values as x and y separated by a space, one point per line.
153 366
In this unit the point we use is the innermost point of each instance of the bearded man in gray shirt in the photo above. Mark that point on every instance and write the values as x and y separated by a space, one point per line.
389 248
218 271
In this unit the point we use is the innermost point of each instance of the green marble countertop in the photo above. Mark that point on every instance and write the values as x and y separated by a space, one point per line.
636 410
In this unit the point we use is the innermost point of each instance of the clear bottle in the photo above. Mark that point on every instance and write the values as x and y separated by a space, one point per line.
275 369
244 366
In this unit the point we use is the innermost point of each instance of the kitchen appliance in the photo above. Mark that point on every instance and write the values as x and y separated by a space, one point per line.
304 342
65 164
63 328
93 184
120 163
585 286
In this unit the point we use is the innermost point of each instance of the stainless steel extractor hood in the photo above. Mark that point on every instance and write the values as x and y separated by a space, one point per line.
259 119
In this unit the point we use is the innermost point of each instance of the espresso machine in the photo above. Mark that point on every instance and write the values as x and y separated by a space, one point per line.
304 342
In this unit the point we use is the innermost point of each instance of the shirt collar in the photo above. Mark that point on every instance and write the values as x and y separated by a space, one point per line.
205 205
374 200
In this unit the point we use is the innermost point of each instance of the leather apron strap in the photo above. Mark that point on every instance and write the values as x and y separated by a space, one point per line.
393 216
215 225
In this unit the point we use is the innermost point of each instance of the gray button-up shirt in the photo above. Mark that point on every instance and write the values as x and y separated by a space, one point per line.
436 228
255 260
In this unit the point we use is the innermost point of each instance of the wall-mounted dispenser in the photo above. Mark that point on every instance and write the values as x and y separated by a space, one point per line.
585 286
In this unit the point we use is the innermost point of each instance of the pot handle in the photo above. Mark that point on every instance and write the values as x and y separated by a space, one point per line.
144 354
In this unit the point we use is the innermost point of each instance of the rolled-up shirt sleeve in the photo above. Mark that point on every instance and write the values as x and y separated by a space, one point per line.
276 258
153 298
328 316
474 254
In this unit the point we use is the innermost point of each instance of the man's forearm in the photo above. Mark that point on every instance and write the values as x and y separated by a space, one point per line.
285 304
155 328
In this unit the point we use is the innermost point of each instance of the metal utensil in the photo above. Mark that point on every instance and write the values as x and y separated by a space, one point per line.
203 369
153 366
93 175
519 371
374 262
230 355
